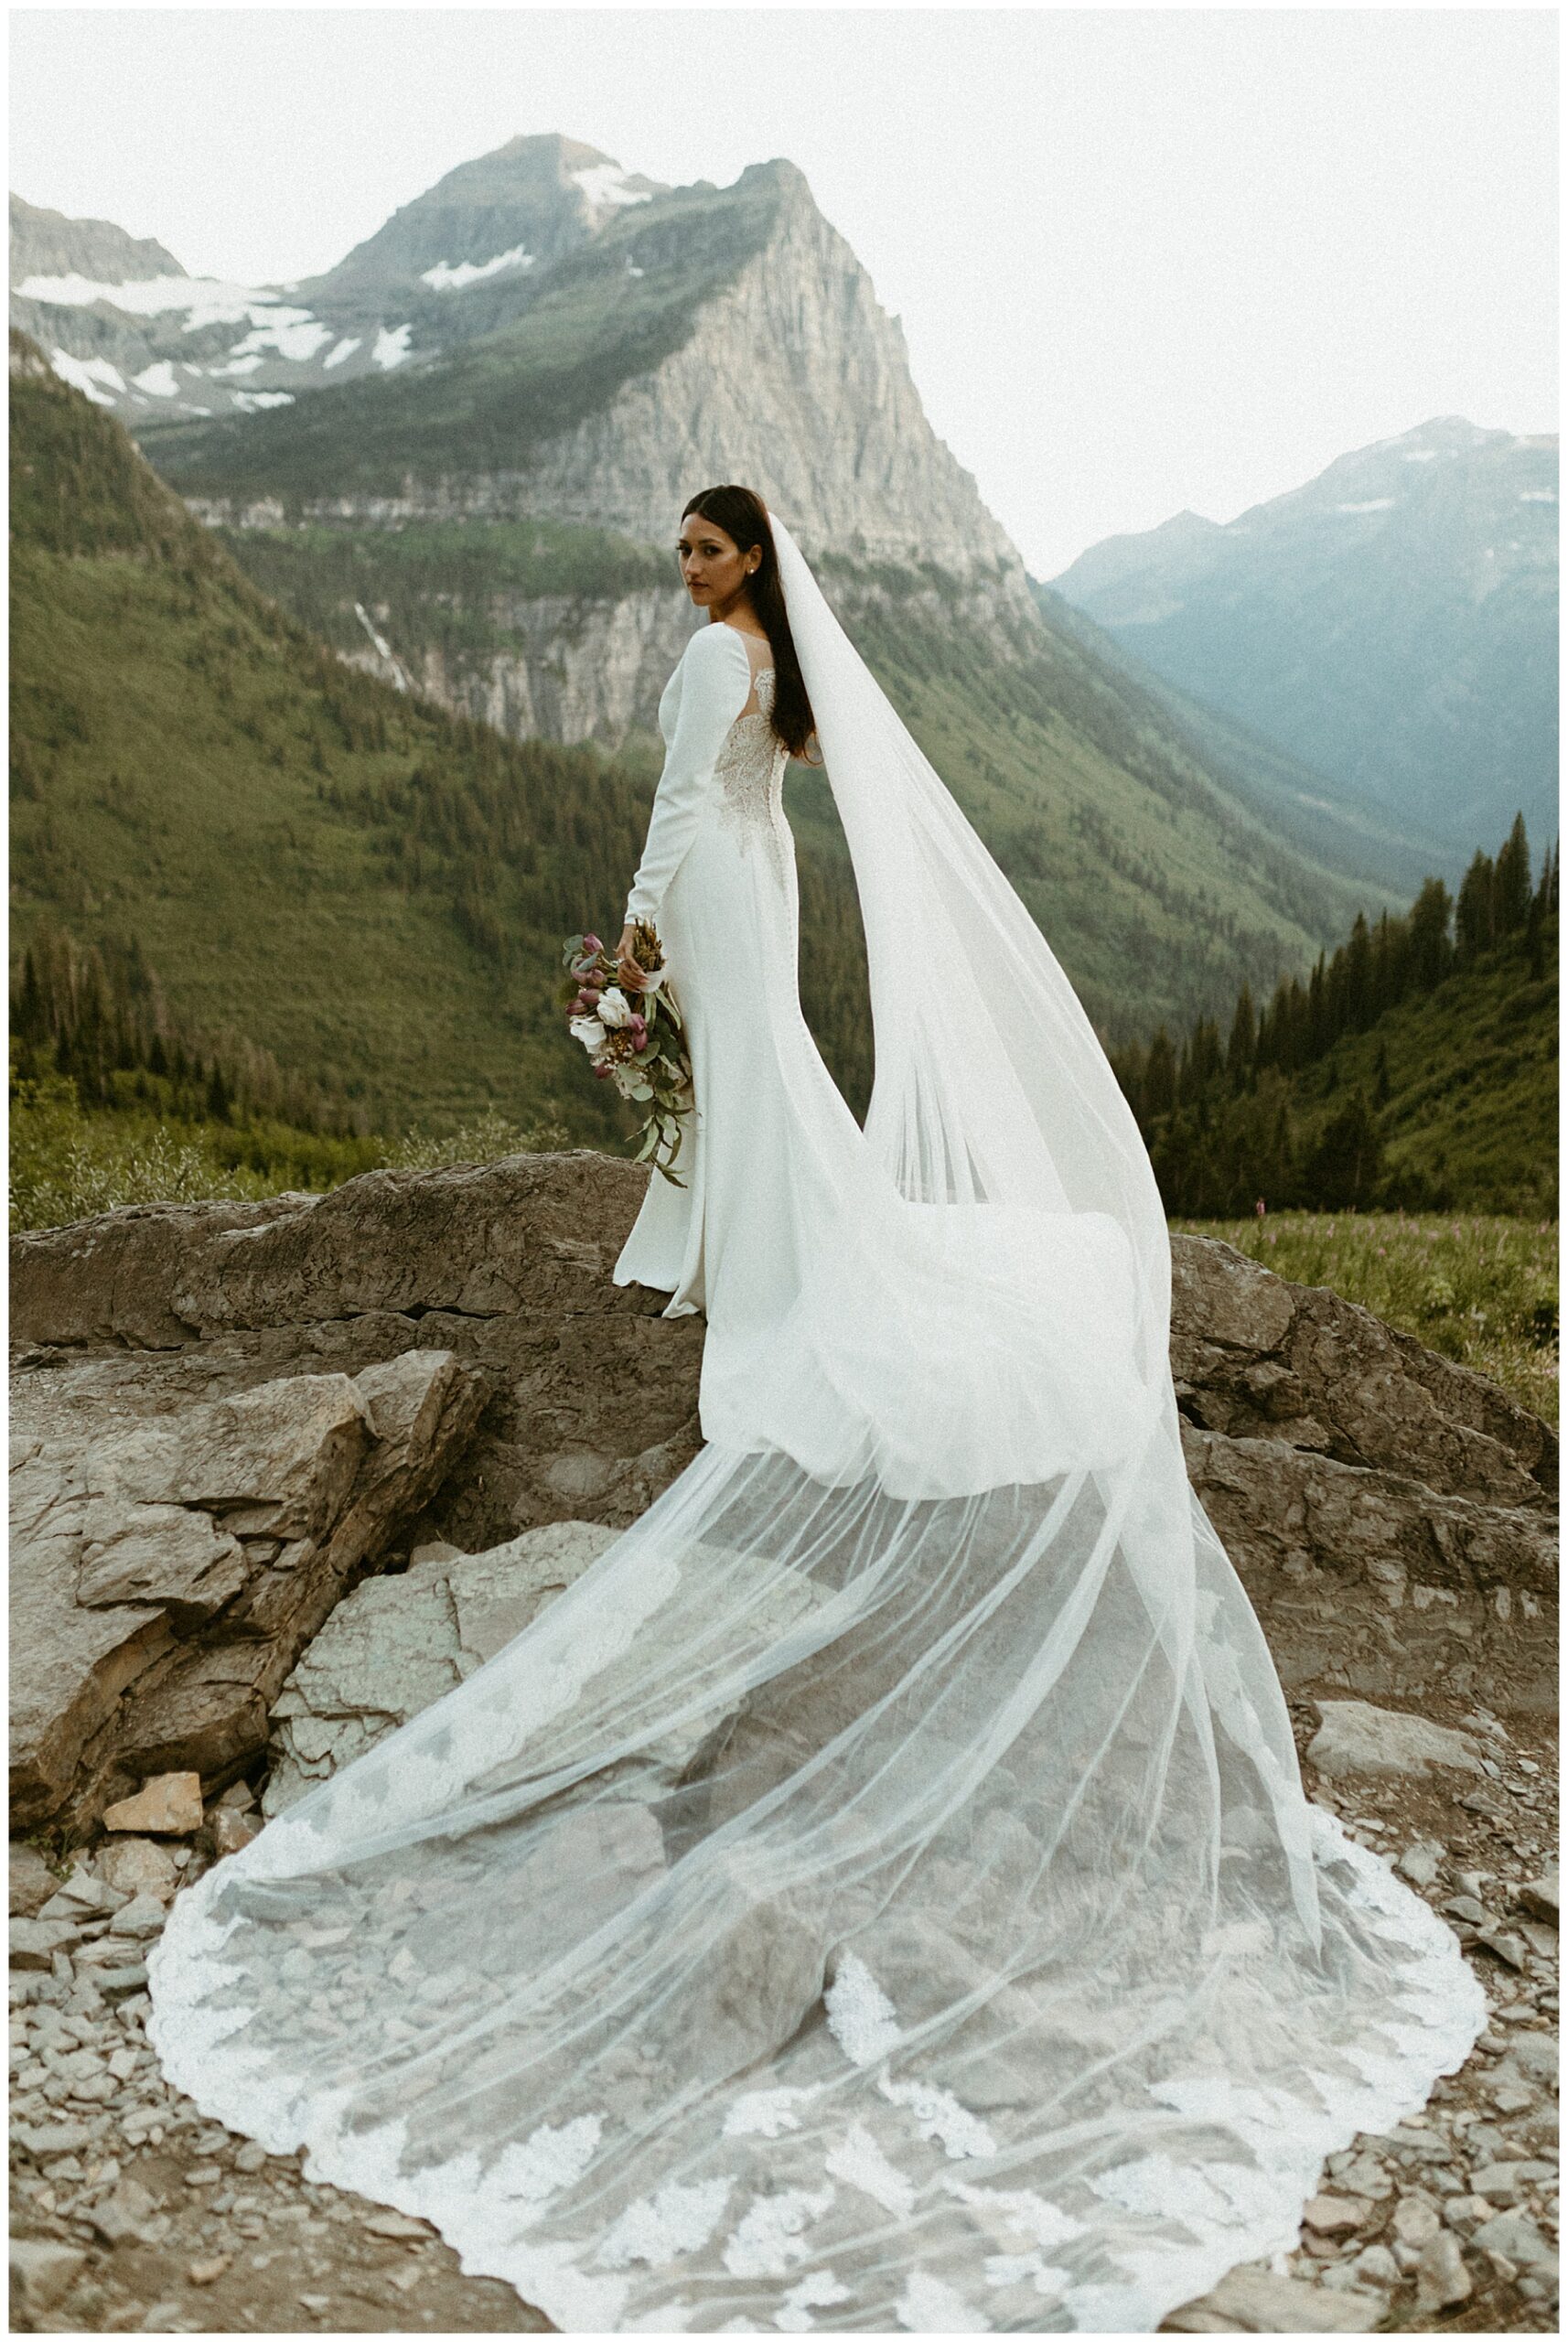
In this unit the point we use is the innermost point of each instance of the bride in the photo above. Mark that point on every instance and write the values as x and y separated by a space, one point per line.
880 1893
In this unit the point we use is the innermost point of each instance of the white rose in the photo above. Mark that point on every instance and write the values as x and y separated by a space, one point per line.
590 1032
613 1009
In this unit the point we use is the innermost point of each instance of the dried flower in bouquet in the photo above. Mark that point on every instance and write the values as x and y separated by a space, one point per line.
634 1041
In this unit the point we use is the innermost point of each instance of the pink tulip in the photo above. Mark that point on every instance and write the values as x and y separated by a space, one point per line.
590 996
601 1073
592 943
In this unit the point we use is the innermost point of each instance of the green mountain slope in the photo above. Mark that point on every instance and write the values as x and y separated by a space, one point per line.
368 889
1470 1118
1415 1068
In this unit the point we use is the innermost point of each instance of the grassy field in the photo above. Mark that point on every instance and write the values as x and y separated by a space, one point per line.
1480 1289
64 1164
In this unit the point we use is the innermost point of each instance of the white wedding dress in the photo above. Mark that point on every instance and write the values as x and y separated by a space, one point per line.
880 1893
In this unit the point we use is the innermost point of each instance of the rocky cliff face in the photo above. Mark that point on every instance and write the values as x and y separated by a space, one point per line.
47 244
797 381
577 668
571 669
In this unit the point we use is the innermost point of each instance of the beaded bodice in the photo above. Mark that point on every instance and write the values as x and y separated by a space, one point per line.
750 770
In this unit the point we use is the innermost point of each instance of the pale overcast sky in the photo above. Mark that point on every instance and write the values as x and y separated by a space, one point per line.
1146 259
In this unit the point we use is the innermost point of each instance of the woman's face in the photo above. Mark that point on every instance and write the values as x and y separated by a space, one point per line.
713 565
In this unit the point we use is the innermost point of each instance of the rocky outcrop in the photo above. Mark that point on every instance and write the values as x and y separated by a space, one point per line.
169 1564
226 1414
592 1396
1391 1513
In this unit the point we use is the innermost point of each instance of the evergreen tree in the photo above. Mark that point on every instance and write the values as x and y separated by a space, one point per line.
1344 1167
1243 1039
1474 919
1431 949
1319 1031
1159 1077
1360 1005
1510 882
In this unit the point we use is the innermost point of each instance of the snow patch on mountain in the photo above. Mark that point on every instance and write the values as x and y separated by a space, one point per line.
157 380
1368 504
345 348
292 333
451 276
211 300
605 185
392 345
85 374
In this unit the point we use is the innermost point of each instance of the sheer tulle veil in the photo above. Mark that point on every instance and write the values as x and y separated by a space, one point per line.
879 1893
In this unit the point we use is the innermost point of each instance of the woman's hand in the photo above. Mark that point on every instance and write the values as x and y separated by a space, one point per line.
631 974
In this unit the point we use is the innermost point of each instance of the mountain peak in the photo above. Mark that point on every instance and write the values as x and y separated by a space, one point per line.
517 209
781 172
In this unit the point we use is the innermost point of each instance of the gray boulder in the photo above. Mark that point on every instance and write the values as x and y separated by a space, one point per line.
1355 1738
169 1564
397 1643
1391 1514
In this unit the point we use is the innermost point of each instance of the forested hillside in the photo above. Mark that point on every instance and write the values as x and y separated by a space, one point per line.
1416 1066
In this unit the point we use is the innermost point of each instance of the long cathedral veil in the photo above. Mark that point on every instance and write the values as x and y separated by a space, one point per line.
880 1892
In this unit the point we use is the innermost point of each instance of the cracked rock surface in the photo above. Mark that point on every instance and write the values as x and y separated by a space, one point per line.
168 1570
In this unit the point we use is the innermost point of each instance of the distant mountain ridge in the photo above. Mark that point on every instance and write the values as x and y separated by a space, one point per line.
134 331
49 244
1392 623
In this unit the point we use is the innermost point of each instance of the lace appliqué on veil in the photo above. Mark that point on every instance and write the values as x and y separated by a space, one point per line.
749 769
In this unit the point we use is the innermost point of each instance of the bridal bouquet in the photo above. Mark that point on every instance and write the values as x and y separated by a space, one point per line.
636 1041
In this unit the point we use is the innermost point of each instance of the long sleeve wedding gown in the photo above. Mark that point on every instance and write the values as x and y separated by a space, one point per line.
880 1894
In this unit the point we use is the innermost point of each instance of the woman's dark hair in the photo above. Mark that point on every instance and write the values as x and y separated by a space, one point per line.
742 515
